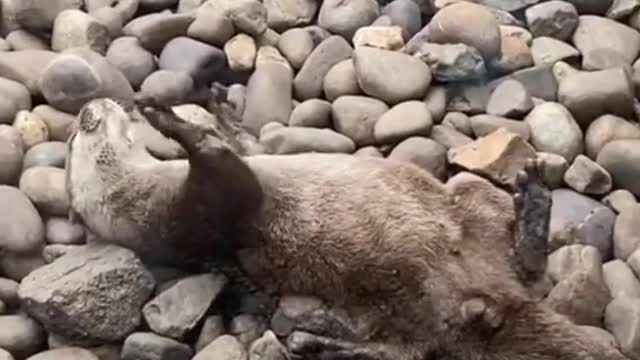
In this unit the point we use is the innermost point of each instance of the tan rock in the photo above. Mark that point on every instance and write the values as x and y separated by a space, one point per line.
382 37
241 52
499 155
32 128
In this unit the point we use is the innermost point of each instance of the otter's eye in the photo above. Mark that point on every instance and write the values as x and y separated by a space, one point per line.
88 120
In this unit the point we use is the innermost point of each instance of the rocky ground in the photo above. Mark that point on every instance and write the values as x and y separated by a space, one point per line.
449 85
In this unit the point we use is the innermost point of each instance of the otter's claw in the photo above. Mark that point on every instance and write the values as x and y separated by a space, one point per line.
532 203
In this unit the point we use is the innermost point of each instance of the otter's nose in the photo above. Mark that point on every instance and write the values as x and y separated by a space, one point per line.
88 119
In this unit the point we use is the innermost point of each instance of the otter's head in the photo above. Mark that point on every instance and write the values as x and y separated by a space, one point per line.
103 134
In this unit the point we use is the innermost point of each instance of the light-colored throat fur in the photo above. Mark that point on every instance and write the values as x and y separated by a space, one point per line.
95 170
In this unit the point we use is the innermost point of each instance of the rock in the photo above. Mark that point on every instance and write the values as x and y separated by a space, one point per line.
483 125
155 30
516 55
580 292
247 16
595 7
135 62
381 37
23 230
622 319
241 52
296 45
355 116
50 153
341 80
35 15
411 77
406 14
58 122
345 17
555 19
499 155
292 140
620 279
32 129
268 95
467 23
436 100
539 82
212 328
5 355
149 346
626 237
311 113
167 87
460 122
469 98
79 75
51 253
196 294
224 347
198 59
268 347
308 82
284 14
634 262
410 118
290 308
20 264
448 137
618 200
246 328
423 152
50 293
605 129
9 292
59 230
621 159
75 28
605 43
578 219
21 335
510 99
452 62
614 94
554 130
24 40
66 353
547 51
16 98
26 67
554 168
587 177
45 187
211 26
111 18
11 155
622 9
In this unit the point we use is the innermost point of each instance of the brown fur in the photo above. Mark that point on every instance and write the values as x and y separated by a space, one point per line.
407 257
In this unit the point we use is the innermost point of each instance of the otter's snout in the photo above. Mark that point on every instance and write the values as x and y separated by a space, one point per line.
88 119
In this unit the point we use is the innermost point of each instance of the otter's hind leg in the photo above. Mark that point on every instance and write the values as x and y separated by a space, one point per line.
532 204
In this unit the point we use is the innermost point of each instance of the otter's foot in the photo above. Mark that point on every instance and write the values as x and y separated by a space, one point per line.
307 346
532 203
186 134
324 322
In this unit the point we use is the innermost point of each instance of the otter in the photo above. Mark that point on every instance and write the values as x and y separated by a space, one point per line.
411 268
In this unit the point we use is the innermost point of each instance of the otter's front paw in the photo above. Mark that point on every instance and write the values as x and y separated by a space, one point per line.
305 346
325 322
532 203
